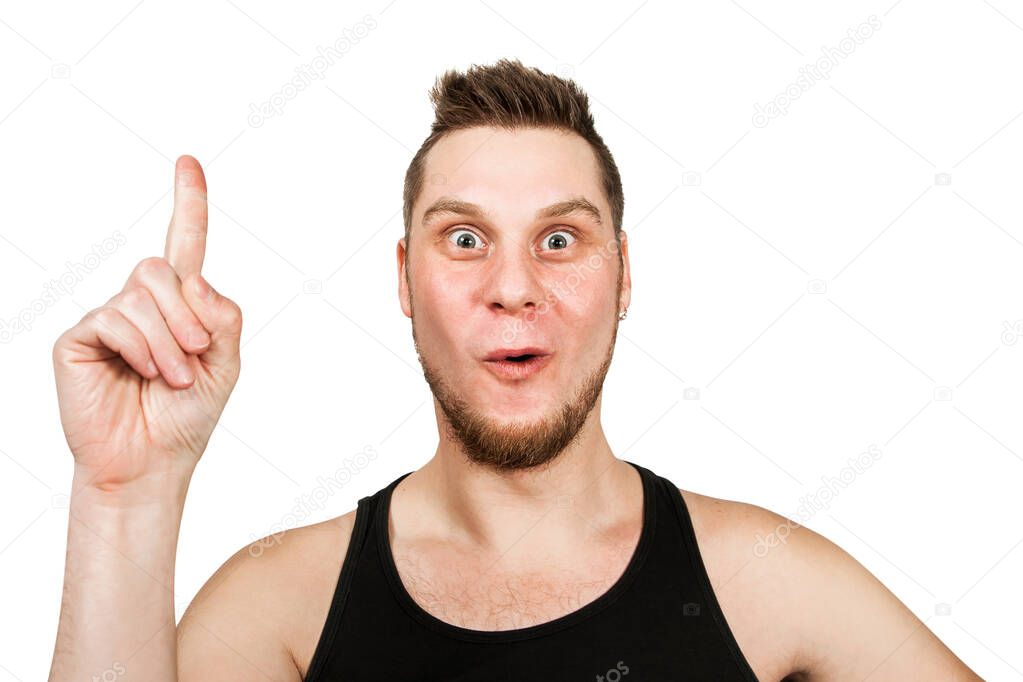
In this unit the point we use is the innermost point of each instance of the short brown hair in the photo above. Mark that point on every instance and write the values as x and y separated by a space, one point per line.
509 95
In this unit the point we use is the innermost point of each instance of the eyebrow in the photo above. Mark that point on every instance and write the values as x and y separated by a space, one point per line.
556 210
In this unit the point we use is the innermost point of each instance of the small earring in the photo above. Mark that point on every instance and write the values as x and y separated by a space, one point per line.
624 313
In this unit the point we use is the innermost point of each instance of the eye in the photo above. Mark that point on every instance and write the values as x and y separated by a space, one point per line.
466 239
557 240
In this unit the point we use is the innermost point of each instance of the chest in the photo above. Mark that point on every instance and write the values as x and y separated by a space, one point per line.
488 595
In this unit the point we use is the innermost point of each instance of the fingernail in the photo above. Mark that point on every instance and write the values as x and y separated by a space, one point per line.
182 373
203 288
199 339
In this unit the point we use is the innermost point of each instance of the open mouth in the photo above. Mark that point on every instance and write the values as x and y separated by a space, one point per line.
517 366
517 355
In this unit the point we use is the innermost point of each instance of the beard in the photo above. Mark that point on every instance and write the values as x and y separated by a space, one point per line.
517 446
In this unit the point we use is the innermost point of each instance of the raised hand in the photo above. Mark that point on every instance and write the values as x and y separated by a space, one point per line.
143 379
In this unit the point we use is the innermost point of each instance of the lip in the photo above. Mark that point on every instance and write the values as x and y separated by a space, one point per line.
517 371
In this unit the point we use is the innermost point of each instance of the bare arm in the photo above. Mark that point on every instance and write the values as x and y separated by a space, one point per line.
117 612
257 618
844 623
855 627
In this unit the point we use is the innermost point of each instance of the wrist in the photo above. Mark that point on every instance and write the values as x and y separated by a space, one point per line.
127 535
163 489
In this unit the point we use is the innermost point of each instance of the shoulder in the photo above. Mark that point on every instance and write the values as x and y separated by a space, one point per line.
265 607
797 602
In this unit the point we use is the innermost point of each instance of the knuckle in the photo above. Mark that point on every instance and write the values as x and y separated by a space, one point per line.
135 298
148 267
193 233
193 199
105 316
232 314
190 188
57 350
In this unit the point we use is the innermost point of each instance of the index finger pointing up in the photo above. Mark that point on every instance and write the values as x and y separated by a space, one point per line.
186 236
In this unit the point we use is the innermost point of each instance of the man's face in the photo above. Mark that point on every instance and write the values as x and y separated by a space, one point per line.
507 280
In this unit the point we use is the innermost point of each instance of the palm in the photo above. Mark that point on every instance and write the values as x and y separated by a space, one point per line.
121 425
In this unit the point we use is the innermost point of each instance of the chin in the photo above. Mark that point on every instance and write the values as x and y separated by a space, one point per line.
514 409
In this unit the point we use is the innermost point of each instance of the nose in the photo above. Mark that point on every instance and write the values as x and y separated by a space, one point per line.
512 284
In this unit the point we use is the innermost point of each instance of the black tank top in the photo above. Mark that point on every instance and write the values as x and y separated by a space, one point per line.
659 621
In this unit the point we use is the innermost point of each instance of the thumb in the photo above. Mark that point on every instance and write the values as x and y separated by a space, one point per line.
221 317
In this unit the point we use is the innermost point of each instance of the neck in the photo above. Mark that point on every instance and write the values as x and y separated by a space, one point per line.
582 495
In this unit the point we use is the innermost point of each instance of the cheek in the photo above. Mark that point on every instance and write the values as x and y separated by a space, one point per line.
436 290
441 306
585 299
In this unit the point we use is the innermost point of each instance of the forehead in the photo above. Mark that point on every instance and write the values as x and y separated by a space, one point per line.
511 172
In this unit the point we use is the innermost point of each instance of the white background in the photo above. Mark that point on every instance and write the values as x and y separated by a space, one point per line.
816 283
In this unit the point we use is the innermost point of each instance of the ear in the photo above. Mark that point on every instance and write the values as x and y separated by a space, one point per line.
403 291
626 297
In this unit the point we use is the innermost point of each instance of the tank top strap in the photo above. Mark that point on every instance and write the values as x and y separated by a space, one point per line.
673 505
364 513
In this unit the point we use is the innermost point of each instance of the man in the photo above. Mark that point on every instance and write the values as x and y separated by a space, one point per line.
523 549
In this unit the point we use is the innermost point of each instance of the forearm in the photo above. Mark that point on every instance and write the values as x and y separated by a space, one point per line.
117 612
